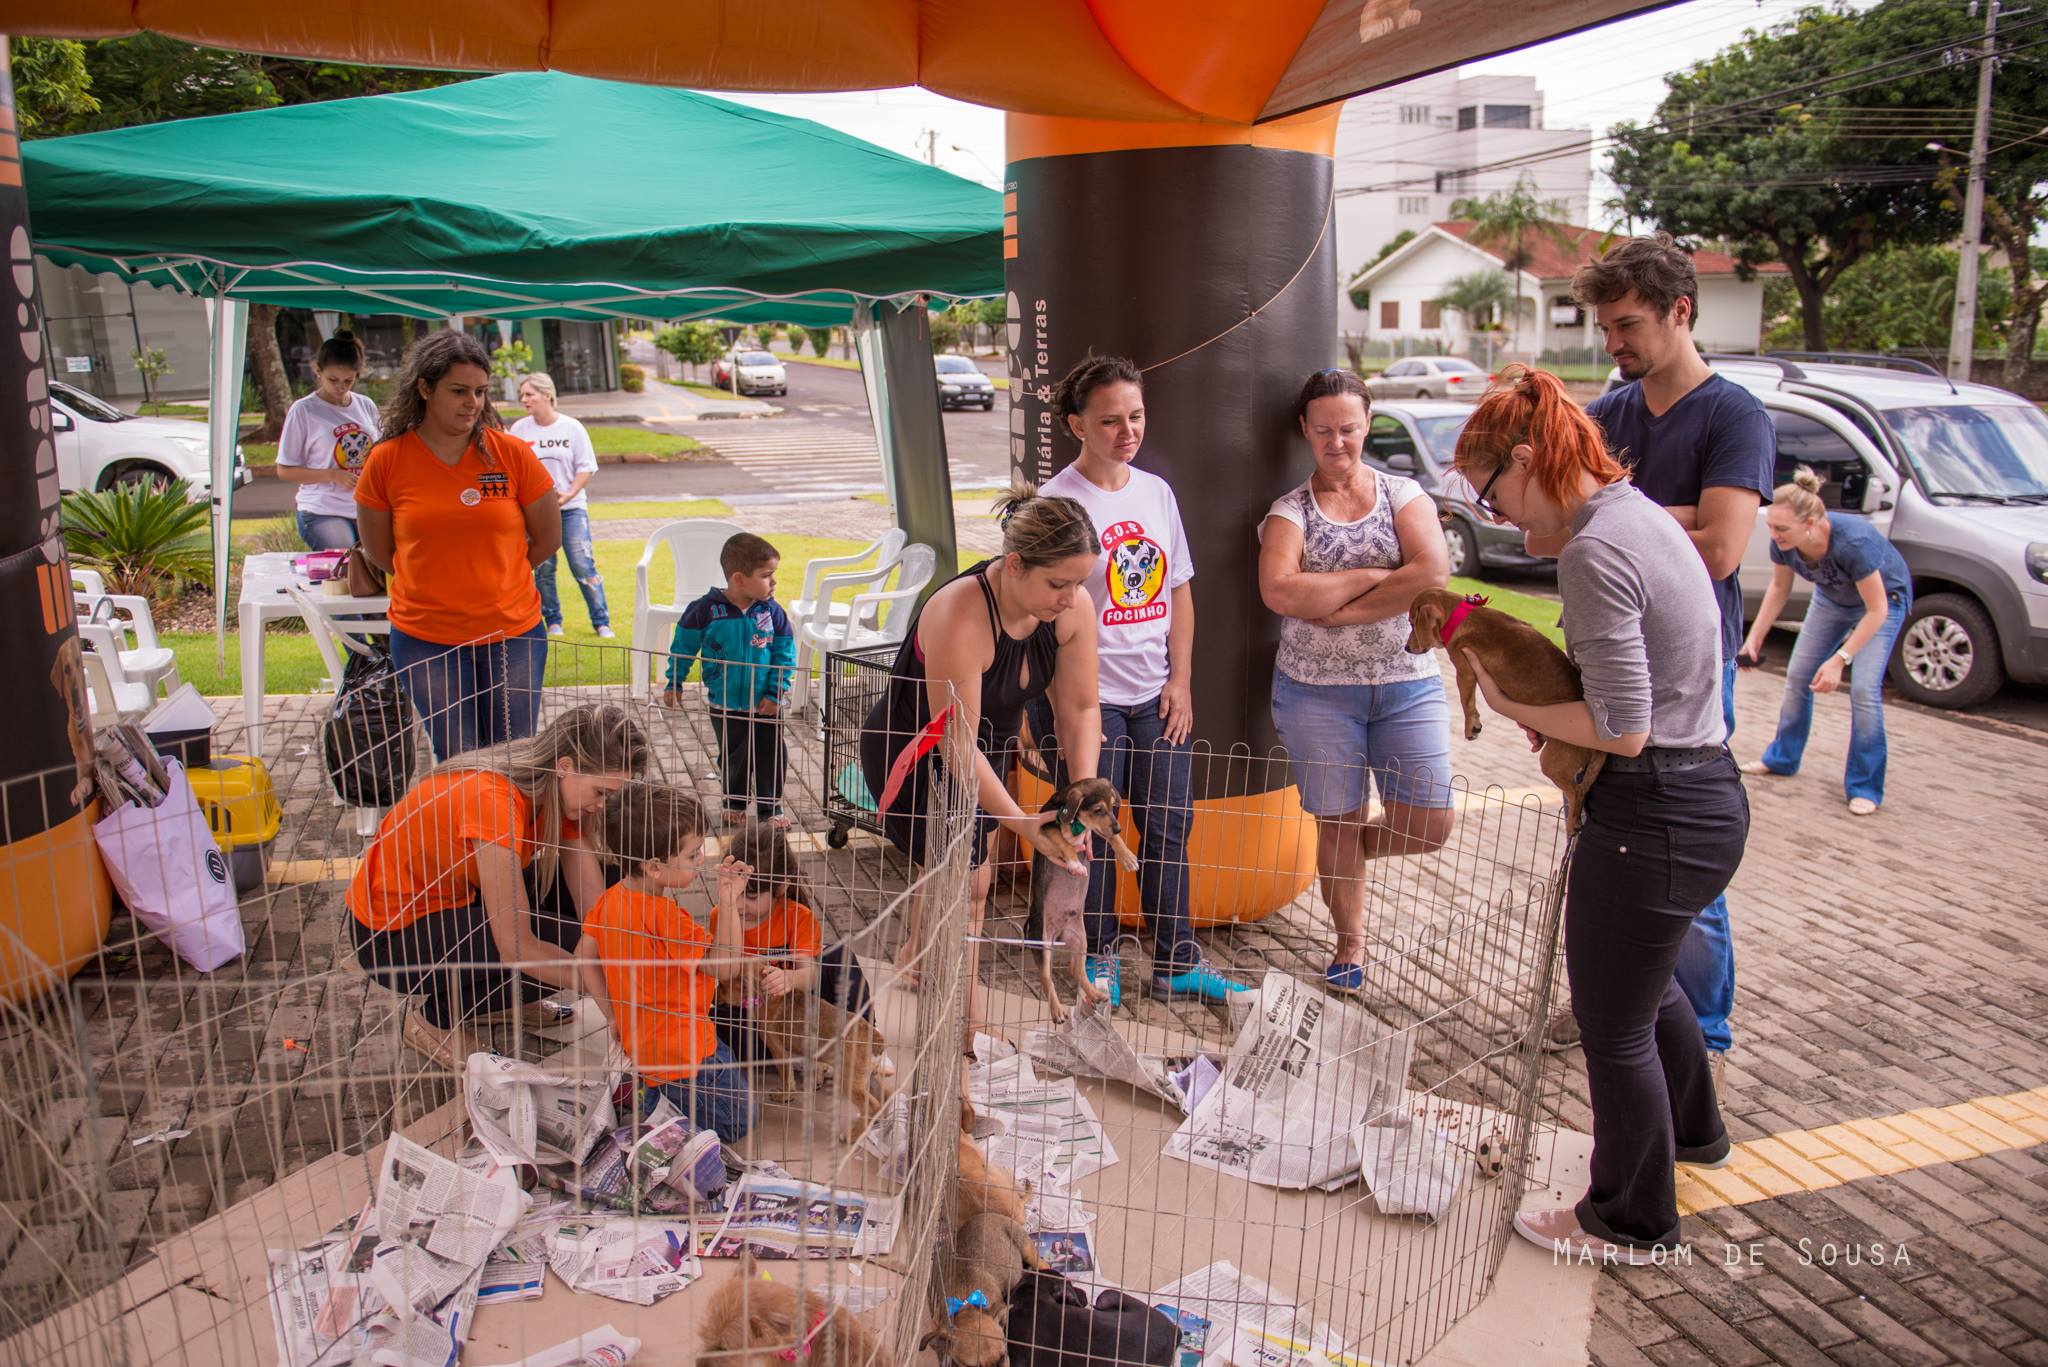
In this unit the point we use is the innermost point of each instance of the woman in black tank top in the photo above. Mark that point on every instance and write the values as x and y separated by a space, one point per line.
995 636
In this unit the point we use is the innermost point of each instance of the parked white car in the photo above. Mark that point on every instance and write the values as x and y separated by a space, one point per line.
759 372
99 446
1955 475
1430 377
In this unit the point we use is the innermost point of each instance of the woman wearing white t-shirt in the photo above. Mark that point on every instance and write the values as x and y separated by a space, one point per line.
564 448
1145 645
1341 558
326 438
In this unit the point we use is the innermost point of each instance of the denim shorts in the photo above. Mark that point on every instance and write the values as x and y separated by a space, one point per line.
1334 733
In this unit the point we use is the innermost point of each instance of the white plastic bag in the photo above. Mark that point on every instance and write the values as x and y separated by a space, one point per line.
172 876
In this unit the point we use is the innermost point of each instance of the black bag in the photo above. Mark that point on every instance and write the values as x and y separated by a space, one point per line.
367 739
1052 1325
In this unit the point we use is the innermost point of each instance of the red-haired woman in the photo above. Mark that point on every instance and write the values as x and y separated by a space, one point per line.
1665 821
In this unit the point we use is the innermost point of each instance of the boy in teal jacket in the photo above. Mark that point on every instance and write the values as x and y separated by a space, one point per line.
748 651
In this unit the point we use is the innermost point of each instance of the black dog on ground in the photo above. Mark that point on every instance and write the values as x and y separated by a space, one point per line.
1052 1325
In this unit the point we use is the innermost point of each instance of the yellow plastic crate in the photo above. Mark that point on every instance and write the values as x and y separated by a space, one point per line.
241 805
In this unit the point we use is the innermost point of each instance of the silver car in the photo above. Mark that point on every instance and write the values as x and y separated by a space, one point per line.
1419 439
1430 377
962 385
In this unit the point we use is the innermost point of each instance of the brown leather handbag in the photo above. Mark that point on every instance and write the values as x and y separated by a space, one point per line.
364 579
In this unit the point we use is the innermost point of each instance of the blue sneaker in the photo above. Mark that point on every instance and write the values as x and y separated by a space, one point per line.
1106 973
1344 978
1200 981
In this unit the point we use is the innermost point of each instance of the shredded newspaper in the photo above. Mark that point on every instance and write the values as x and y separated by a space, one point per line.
322 1300
1049 1131
638 1261
1306 1075
522 1113
1087 1044
603 1346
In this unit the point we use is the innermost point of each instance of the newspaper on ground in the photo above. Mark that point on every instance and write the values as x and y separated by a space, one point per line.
430 1339
432 1203
1410 1168
857 1299
1049 1205
1049 1131
626 1258
784 1218
523 1113
1071 1253
889 1138
517 1268
322 1300
1195 1080
1306 1074
603 1346
1236 1318
1087 1044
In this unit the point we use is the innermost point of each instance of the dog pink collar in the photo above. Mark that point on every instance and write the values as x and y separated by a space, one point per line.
803 1348
1460 613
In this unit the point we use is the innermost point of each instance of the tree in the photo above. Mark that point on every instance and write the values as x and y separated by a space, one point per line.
1790 147
51 84
1897 299
821 338
148 79
692 344
1482 299
1361 299
153 365
1511 225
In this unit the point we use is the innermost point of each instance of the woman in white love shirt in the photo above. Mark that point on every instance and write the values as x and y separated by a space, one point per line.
564 448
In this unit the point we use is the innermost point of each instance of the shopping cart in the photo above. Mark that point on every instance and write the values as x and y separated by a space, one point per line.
854 681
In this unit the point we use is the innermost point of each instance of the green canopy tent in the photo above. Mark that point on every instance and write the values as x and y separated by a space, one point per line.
533 195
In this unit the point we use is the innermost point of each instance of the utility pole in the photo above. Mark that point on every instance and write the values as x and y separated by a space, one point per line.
1962 335
931 146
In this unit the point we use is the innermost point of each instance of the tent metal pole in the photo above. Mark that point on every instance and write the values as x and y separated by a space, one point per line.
894 344
230 343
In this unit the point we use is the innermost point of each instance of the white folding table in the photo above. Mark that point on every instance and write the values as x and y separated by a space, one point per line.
265 580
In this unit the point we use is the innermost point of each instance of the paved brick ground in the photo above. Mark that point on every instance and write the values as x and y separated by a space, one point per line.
1886 964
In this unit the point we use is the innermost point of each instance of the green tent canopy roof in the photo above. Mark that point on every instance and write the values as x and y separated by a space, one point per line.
534 194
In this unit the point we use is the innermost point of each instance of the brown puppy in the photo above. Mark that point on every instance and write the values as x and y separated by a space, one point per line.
1528 668
978 1273
979 1188
751 1322
1058 895
803 1027
67 676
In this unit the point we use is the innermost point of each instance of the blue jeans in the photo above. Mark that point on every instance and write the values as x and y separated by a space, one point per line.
325 531
1706 957
473 696
582 565
1827 626
1338 734
715 1097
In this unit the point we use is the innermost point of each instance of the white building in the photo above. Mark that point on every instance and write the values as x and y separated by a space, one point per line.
1406 286
1406 153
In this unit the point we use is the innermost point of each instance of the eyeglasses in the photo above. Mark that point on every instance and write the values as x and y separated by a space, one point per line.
1485 505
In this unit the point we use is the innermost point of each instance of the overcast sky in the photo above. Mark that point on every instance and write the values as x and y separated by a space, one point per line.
1591 80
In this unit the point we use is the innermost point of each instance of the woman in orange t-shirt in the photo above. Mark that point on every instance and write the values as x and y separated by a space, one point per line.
483 865
458 512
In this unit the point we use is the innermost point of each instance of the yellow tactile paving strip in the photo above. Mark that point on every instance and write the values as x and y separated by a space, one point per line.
1833 1155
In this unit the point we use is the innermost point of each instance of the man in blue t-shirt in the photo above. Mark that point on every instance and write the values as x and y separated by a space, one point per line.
1705 448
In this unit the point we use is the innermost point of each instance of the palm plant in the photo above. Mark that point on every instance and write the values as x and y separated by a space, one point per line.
1511 225
1482 299
145 537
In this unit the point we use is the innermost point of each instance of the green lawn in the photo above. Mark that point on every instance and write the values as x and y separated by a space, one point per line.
642 441
702 391
1541 613
693 507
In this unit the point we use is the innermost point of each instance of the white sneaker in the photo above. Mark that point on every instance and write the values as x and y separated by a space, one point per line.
555 630
1861 806
607 633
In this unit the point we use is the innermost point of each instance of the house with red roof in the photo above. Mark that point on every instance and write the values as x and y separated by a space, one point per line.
1405 286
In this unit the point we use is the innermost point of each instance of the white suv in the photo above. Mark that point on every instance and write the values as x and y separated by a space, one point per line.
99 446
1955 475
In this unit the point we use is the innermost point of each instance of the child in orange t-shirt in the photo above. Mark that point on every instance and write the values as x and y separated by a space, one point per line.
653 969
777 924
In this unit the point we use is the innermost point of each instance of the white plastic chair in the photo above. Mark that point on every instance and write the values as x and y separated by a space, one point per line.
115 696
87 581
128 614
875 618
693 545
817 606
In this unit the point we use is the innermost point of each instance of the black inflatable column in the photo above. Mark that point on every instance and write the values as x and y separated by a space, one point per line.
54 900
1213 268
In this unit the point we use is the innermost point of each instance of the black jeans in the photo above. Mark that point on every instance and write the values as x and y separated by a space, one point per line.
750 761
450 962
1655 849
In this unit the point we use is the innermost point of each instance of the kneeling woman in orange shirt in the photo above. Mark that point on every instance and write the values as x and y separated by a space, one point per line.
470 898
458 512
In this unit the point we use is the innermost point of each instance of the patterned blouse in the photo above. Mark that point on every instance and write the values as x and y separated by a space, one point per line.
1369 653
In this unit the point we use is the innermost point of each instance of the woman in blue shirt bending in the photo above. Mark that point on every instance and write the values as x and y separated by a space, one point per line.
1861 595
